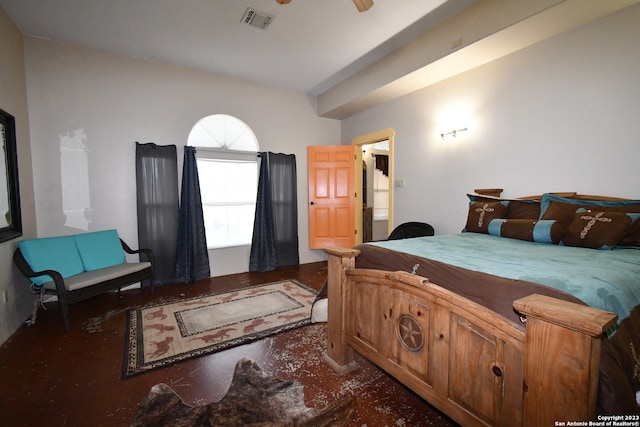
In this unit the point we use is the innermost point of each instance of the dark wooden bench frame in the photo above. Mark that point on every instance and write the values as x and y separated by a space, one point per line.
66 297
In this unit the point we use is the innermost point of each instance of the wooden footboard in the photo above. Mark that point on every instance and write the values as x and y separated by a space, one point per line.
476 366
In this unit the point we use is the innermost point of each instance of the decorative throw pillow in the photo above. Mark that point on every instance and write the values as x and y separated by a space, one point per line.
597 229
632 237
481 214
543 231
516 208
563 208
523 209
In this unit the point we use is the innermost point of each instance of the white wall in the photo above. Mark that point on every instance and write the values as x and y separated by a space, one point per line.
13 100
559 116
105 102
562 115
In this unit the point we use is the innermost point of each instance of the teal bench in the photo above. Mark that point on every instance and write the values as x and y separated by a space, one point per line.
80 266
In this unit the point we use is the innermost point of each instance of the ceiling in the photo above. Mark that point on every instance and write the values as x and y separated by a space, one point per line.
309 46
345 61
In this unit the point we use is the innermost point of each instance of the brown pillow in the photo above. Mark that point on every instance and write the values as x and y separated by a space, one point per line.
523 209
562 209
532 230
518 229
481 214
633 236
516 208
596 229
564 212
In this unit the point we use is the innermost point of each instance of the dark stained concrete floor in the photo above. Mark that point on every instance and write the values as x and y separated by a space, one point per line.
52 378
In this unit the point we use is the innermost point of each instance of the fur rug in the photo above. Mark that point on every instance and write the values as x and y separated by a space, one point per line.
253 399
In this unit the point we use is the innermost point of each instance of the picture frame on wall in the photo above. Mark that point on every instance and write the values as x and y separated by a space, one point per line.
10 214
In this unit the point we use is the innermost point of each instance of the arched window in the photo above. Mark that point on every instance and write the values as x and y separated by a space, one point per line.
227 158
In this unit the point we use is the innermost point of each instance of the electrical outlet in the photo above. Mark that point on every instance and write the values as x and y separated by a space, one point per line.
5 296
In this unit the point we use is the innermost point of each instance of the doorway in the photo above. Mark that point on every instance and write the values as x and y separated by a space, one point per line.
374 180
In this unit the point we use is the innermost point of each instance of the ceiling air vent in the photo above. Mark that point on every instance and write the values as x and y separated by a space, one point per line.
257 19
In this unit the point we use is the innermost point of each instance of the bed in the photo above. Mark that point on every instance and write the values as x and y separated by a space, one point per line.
527 318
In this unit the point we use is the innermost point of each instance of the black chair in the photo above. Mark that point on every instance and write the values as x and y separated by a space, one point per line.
411 229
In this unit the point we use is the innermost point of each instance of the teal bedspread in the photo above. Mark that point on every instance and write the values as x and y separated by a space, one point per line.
605 279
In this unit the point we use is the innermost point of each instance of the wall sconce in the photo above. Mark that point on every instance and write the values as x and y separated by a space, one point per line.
451 135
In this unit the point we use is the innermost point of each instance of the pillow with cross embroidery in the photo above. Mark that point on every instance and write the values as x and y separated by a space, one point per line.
597 229
481 214
562 209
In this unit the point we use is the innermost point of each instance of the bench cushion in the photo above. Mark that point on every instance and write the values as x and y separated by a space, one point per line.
100 249
52 253
97 276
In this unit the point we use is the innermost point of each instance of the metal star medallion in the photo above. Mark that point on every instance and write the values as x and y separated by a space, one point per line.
410 333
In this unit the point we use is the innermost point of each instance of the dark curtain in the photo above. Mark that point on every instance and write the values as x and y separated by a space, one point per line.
382 163
192 262
275 229
157 201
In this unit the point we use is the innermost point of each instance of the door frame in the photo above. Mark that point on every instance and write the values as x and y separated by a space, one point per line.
372 138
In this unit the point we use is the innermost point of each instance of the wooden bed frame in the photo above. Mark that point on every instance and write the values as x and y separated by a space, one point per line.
476 366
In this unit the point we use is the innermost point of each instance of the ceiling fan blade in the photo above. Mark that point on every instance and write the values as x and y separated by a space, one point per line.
363 5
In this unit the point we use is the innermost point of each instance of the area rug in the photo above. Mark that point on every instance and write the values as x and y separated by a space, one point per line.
162 334
254 398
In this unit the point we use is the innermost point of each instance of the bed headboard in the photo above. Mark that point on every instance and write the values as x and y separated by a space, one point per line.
574 195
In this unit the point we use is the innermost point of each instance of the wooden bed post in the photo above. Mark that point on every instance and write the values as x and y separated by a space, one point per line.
339 355
562 358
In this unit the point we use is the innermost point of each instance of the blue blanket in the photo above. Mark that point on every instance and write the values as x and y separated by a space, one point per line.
605 279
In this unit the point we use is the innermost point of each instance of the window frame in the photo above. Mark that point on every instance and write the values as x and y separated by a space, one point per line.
210 136
215 154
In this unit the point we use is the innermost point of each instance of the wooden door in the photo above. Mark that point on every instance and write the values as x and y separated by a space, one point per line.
332 196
